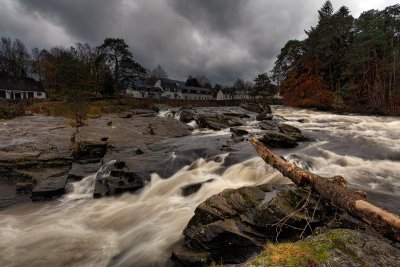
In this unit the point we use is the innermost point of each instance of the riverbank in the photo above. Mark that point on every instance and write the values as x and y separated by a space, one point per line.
39 154
98 107
183 173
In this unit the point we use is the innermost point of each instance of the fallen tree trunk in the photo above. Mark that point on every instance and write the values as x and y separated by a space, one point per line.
335 191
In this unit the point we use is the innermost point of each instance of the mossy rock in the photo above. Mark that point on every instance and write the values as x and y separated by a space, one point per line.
334 248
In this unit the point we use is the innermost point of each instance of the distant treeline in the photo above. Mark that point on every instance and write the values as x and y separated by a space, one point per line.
79 70
82 71
345 64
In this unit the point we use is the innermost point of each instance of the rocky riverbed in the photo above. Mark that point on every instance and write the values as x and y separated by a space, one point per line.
190 186
40 154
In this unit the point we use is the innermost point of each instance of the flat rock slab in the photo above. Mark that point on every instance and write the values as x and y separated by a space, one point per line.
49 182
36 133
130 132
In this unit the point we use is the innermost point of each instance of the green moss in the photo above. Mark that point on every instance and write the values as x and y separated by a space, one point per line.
311 252
293 255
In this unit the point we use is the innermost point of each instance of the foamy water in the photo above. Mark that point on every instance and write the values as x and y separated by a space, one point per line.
140 229
79 231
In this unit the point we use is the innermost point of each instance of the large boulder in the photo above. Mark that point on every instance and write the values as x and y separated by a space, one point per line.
186 115
291 131
238 131
268 125
255 107
278 140
334 248
234 225
217 122
264 116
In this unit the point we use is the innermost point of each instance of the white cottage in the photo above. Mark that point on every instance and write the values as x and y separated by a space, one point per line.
171 88
21 88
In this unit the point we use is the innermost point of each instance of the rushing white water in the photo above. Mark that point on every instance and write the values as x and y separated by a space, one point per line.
140 229
80 231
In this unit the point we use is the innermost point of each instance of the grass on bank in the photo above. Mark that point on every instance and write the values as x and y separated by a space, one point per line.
310 252
301 254
97 108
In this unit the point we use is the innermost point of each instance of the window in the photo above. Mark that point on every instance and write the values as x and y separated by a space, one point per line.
2 94
17 95
30 95
39 94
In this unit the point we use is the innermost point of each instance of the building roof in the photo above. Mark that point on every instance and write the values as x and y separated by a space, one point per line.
20 84
172 83
199 90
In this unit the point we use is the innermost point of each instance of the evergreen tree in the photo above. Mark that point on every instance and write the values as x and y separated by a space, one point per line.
120 60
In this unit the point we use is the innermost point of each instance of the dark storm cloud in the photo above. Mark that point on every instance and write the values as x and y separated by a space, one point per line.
86 19
222 39
218 16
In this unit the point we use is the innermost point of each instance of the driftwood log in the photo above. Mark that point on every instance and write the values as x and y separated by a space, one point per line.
335 191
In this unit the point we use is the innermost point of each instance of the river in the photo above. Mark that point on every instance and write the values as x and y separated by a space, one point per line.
141 229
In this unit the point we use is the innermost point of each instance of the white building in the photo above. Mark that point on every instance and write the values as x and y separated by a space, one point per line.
232 94
21 88
196 93
171 88
145 92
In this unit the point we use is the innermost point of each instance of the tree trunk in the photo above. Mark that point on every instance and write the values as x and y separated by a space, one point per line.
335 191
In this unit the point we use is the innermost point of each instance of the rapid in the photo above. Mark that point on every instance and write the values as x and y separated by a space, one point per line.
141 229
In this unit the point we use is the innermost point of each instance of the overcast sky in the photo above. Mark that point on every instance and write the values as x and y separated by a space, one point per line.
223 39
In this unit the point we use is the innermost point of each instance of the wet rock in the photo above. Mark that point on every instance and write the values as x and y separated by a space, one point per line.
9 196
156 109
303 120
187 257
118 182
264 116
216 122
89 151
151 129
193 188
49 182
24 187
234 140
335 248
275 139
80 171
292 131
186 116
126 115
288 129
268 125
139 152
233 114
234 225
239 131
257 108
